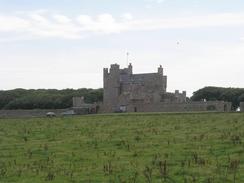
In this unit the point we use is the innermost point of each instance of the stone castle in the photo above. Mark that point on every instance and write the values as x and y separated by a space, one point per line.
125 91
128 92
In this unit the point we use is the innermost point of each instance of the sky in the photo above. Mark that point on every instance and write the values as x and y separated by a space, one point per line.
67 43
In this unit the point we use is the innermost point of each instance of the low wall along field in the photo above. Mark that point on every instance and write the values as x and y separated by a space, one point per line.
29 113
180 148
242 106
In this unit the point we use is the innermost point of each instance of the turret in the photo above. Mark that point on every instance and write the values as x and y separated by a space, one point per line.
114 69
184 96
105 77
105 72
180 97
130 69
111 85
184 93
160 70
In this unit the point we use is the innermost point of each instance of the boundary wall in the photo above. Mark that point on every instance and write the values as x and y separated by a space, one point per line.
29 113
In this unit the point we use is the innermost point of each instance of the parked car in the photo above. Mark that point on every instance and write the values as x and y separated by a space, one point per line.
50 114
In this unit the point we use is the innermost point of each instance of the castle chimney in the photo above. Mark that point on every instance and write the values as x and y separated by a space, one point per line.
160 70
130 69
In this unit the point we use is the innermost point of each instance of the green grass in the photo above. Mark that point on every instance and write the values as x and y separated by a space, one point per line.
180 148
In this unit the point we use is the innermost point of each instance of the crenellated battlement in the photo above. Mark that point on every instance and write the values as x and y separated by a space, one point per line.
115 69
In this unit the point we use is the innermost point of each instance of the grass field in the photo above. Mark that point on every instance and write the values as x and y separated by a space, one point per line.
180 148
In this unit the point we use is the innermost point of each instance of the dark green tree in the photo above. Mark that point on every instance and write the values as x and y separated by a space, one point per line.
46 99
234 95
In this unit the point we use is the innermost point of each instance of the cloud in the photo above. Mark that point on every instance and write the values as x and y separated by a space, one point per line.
127 16
103 23
9 23
61 19
38 19
39 25
212 20
84 20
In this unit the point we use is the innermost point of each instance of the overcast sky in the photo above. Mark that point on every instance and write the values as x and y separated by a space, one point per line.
66 43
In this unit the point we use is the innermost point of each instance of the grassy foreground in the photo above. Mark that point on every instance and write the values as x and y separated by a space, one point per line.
180 148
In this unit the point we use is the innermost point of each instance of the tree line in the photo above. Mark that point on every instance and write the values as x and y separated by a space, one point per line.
234 95
46 98
60 99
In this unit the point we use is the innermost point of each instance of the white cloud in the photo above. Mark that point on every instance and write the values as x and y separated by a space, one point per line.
61 18
46 25
39 19
9 23
84 20
212 20
104 23
106 18
127 16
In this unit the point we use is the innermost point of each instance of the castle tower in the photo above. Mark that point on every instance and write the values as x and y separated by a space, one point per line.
130 69
161 70
164 78
111 82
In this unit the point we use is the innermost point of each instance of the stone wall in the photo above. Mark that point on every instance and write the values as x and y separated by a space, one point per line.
80 107
242 106
29 113
217 106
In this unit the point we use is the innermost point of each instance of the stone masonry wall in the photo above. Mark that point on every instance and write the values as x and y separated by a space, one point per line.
242 106
218 106
29 113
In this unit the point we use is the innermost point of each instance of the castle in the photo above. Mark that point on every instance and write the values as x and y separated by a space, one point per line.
128 92
125 91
